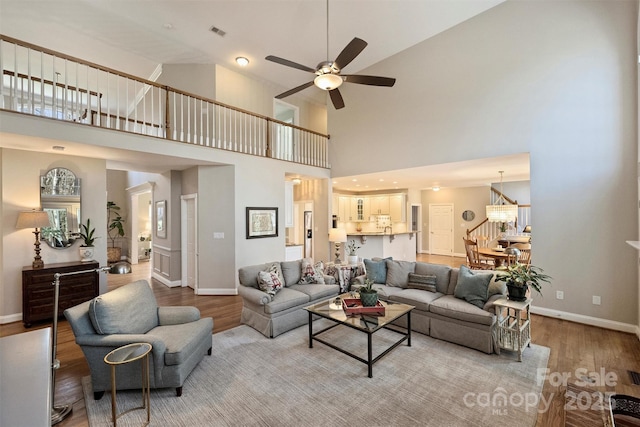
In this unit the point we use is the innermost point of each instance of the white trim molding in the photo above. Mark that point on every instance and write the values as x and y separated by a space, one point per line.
587 320
168 283
217 292
10 318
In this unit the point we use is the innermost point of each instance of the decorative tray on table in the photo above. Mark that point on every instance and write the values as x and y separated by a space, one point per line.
354 306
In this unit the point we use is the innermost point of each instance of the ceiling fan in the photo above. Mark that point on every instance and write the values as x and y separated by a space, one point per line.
328 74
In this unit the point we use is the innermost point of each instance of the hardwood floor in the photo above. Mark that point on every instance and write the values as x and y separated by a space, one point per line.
576 349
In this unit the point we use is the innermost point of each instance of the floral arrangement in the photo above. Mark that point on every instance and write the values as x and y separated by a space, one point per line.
352 247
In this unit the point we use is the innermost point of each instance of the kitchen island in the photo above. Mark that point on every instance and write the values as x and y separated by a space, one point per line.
400 246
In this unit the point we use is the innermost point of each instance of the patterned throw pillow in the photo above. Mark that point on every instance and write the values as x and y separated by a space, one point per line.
269 282
311 273
425 282
275 268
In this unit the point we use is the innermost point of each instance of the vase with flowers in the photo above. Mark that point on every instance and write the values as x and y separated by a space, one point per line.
352 249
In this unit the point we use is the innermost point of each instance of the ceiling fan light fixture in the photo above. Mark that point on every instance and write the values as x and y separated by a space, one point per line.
328 81
242 61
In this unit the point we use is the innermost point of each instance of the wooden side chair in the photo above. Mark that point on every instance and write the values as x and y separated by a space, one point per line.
525 252
473 257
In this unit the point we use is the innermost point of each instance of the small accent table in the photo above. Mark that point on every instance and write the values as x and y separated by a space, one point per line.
127 354
513 331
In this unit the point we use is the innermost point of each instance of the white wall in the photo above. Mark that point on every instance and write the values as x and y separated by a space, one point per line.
556 79
21 172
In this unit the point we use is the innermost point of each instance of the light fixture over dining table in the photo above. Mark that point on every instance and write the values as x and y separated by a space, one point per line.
500 211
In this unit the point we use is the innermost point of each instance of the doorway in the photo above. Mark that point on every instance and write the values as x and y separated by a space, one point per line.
284 144
189 241
416 225
140 202
441 229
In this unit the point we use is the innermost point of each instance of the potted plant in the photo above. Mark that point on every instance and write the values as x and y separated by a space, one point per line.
519 277
115 229
87 237
368 295
352 248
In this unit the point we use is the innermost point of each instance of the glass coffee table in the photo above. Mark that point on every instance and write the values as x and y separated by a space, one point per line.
368 324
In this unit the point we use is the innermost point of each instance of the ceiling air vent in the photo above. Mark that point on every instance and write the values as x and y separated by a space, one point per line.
217 30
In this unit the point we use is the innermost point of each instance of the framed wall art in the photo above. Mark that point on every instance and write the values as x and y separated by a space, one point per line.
262 222
161 219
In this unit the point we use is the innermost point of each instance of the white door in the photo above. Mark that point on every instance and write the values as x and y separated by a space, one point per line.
441 229
190 241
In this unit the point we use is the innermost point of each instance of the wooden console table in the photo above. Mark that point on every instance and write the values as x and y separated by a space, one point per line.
37 289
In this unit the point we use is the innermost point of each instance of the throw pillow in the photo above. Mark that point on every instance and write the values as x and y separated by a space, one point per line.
376 270
425 282
275 268
472 287
269 282
398 273
310 272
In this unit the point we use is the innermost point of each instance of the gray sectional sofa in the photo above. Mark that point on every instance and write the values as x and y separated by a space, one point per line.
273 315
439 313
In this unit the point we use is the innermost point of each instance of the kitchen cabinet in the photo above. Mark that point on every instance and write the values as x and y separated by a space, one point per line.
37 289
398 208
379 205
344 208
288 204
360 209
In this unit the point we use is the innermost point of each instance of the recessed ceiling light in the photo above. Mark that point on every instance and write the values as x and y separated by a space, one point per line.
242 61
354 180
381 180
58 147
436 188
395 182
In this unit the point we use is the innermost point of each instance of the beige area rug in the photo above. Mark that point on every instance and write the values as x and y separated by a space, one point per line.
250 380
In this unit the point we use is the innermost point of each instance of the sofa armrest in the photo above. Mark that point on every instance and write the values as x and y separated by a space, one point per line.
329 280
488 306
177 315
118 340
254 295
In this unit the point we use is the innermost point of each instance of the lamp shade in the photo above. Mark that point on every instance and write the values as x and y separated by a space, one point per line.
32 219
338 235
502 213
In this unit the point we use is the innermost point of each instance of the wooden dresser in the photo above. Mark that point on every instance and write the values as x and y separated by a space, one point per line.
37 289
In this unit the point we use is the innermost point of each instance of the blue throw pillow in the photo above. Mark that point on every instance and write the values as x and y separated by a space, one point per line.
376 270
472 287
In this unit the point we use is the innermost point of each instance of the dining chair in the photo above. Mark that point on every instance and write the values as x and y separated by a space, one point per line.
473 257
525 252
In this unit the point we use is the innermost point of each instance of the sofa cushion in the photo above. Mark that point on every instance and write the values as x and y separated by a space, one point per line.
129 309
311 273
182 340
442 273
248 276
376 270
398 272
269 282
420 299
291 272
285 299
472 287
425 282
452 307
317 291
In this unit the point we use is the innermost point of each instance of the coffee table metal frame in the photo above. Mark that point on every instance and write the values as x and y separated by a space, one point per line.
127 354
363 323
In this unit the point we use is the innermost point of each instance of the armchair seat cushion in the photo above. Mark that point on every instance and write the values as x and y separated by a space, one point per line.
182 340
130 309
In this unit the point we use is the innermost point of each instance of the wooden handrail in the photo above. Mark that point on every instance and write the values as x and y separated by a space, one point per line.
501 194
477 226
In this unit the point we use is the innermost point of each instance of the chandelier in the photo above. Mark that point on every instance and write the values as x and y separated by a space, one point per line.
500 211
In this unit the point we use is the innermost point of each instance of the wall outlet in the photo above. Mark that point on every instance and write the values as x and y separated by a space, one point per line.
559 294
596 300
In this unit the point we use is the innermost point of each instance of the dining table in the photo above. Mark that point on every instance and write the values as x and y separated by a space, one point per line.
498 256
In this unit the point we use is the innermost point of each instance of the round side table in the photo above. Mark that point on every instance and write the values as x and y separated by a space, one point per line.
127 354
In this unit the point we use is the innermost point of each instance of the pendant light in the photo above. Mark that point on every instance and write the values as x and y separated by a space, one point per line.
501 211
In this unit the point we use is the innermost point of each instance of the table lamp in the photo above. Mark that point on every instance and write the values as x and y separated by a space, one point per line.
34 219
337 236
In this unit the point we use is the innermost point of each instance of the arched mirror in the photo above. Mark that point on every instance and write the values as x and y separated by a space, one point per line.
60 198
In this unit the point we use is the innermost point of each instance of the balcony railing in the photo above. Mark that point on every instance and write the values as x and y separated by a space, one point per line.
42 82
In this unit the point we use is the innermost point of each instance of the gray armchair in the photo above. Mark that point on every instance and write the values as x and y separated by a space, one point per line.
129 314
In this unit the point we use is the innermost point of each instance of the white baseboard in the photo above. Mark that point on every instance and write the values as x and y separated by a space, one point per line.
168 283
10 318
587 320
217 292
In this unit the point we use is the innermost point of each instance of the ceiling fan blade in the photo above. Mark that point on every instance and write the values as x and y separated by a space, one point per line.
369 80
349 53
294 90
336 98
288 63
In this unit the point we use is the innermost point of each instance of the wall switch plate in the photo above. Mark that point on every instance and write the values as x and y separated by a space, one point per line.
596 300
559 294
218 235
